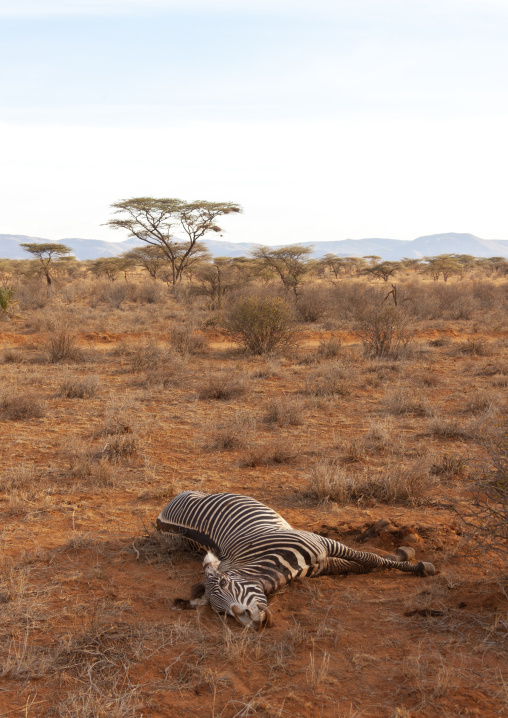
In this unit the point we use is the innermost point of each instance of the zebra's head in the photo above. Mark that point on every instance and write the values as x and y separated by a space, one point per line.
242 598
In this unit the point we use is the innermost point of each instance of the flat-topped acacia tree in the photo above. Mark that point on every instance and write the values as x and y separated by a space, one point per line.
45 252
155 221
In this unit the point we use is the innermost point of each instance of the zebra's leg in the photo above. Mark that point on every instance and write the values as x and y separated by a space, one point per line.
339 556
339 566
198 598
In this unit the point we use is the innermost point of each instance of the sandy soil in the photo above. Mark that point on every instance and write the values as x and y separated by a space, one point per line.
87 626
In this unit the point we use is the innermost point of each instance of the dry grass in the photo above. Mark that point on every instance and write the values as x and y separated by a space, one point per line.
279 451
284 411
401 485
235 433
74 387
222 386
60 345
332 381
474 347
20 407
408 401
186 341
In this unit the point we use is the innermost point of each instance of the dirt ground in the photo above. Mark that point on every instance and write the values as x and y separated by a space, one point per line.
87 626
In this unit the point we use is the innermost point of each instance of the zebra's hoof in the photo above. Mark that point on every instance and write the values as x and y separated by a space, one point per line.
425 569
405 553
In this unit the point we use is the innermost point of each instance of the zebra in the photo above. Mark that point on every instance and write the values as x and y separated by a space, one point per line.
251 552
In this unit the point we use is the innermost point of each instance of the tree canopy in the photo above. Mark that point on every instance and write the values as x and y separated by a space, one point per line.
155 221
45 252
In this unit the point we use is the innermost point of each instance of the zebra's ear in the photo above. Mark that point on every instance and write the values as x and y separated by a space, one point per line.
268 620
211 561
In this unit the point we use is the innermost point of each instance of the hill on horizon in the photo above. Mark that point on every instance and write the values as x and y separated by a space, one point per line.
388 249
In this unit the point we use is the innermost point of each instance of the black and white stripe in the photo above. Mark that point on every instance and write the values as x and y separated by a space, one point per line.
253 551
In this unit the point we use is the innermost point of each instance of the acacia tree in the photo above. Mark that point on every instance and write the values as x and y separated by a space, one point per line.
383 270
154 221
152 259
288 263
45 252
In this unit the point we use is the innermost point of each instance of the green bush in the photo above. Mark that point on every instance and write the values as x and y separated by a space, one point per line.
7 301
262 325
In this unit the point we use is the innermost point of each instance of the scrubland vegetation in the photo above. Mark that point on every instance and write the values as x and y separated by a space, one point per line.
363 401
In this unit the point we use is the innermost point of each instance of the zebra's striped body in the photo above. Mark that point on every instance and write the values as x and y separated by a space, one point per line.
252 551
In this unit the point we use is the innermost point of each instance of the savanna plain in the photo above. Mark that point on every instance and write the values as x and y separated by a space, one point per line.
373 423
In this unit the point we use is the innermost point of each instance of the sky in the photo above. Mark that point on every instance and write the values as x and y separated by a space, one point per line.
325 120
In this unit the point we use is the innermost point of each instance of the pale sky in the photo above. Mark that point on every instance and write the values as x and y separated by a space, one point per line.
324 119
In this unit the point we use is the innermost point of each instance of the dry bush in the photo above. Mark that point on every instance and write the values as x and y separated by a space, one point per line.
486 518
401 485
73 387
330 348
17 407
353 451
328 481
222 386
235 433
120 448
473 347
334 380
147 354
120 418
163 376
480 402
279 451
427 377
32 294
261 325
89 465
13 356
270 370
449 466
500 380
491 368
148 293
284 411
186 341
450 428
313 303
112 294
385 332
407 401
379 437
60 345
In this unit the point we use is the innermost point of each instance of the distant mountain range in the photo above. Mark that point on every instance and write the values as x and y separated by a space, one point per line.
392 249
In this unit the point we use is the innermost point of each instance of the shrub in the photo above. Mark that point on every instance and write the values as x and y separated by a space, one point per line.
79 388
479 402
185 341
21 406
279 451
384 333
487 517
7 301
405 485
407 401
333 381
312 303
330 348
262 325
232 434
60 345
284 411
473 347
222 386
